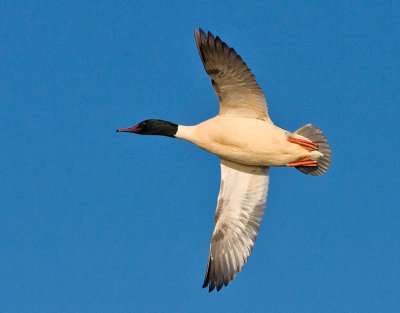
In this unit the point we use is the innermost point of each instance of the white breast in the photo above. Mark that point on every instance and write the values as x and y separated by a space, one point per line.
243 140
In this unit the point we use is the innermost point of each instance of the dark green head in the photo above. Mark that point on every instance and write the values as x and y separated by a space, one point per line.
152 127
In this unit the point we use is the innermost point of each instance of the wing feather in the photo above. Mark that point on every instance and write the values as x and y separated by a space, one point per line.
235 85
239 211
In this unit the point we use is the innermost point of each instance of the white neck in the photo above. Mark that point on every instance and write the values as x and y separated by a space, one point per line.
185 132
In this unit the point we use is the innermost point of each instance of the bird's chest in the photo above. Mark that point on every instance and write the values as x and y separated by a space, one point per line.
246 143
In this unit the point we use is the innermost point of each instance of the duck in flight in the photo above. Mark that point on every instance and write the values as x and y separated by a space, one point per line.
248 143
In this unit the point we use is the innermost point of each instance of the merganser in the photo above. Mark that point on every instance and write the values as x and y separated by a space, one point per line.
248 143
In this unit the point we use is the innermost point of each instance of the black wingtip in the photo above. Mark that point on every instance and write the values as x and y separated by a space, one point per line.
211 287
198 32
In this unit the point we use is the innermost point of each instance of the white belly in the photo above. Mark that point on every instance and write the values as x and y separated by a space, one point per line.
243 140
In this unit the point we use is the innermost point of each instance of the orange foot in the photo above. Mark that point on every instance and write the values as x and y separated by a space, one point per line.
304 162
306 144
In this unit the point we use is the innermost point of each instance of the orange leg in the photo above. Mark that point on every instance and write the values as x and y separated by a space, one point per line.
304 162
306 144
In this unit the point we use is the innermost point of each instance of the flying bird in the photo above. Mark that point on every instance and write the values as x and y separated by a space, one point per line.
248 143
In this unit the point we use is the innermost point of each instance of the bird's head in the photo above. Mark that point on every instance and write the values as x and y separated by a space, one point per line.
152 127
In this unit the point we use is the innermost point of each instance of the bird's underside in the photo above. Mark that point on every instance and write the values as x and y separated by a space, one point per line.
248 143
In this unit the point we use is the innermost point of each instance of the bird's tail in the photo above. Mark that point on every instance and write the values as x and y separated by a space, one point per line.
315 135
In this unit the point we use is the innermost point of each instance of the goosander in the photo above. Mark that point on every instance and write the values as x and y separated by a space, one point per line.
248 143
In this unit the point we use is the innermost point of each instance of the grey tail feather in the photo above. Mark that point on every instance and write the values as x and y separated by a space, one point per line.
315 135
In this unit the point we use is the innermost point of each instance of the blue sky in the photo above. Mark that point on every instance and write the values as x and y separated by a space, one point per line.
94 221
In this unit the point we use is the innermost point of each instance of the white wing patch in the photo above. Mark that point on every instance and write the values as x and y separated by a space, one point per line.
240 209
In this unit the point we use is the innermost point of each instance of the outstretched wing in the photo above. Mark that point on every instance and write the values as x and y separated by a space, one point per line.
234 83
240 208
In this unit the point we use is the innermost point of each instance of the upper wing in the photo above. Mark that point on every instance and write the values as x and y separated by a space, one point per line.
234 83
240 208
